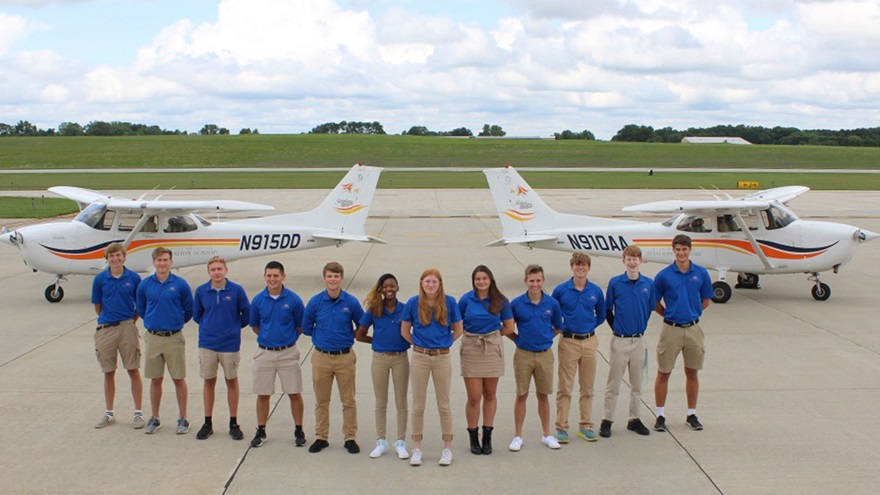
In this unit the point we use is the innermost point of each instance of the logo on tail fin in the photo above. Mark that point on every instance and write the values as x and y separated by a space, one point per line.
519 216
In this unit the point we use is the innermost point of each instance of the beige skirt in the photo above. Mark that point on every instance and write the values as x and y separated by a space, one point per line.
482 355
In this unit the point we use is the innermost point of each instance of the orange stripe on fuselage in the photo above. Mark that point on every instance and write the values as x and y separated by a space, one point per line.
735 245
146 244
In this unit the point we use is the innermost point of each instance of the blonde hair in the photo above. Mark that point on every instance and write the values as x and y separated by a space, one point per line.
114 247
578 258
217 259
632 251
438 310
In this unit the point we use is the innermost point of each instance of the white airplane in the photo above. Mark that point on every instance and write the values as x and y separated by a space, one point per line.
751 235
77 247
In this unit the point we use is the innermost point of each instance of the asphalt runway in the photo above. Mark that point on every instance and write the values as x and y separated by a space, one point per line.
789 391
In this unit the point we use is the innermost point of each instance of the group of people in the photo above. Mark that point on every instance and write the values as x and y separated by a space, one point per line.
428 323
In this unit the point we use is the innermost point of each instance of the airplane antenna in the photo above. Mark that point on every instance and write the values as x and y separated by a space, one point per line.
163 194
148 192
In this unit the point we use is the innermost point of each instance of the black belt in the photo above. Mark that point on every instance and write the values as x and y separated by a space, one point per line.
536 352
634 336
162 333
288 346
681 325
108 325
334 353
578 336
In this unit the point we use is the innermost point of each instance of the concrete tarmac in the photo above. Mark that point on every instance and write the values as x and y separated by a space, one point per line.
788 397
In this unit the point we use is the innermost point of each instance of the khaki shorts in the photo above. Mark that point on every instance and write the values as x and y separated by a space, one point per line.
122 340
167 351
285 364
209 361
687 341
527 364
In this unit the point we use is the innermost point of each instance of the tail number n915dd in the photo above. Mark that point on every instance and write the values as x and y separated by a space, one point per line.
255 242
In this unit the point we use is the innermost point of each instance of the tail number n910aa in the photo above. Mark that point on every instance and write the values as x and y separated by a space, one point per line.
255 242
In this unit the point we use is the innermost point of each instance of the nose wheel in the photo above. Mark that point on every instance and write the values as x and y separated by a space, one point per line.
54 293
820 291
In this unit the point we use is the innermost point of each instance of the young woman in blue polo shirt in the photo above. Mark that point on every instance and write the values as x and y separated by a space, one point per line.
431 322
390 357
486 316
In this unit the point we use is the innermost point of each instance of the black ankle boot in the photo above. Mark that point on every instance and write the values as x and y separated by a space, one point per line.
487 440
475 441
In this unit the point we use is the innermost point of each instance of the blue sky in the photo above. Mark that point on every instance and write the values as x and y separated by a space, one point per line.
532 66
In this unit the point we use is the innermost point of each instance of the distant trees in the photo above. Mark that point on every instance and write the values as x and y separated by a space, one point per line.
493 131
754 134
419 130
567 134
348 128
247 130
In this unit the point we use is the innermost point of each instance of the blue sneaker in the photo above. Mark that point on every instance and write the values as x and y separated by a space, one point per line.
588 435
562 436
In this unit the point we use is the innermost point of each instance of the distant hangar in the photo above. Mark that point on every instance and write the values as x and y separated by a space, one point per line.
714 140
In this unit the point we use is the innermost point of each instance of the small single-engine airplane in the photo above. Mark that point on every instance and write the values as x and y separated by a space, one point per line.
752 235
77 247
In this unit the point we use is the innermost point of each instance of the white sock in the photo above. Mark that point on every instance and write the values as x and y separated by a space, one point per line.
138 412
692 412
109 413
660 411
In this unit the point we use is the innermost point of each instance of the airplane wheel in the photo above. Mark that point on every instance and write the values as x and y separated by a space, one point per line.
821 292
747 281
721 292
54 295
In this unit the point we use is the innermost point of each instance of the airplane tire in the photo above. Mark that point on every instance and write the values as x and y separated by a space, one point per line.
721 292
821 292
747 281
54 295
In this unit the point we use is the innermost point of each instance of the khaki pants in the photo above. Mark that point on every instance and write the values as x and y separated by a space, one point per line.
626 353
325 367
580 356
439 368
398 367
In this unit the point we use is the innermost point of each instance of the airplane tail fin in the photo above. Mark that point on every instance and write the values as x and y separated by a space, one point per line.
342 216
525 218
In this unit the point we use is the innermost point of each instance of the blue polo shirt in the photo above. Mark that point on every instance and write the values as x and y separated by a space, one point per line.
164 305
582 310
221 314
535 322
476 316
279 319
433 335
631 302
386 329
331 323
115 295
683 292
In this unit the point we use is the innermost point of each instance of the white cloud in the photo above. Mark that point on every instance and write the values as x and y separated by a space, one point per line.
13 29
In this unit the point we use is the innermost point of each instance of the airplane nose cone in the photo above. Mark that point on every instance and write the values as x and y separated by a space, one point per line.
867 235
6 238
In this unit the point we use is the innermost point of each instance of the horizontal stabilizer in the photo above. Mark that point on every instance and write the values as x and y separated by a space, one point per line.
342 237
527 239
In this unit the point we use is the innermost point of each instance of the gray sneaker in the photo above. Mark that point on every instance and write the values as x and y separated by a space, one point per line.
182 426
105 421
138 422
152 425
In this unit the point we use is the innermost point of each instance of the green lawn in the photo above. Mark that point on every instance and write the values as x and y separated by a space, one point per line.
36 207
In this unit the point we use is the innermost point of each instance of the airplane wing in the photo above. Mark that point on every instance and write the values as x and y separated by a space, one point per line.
756 200
781 194
341 237
88 196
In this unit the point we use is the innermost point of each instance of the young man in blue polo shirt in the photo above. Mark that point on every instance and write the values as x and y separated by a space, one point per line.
629 300
583 309
538 318
221 308
686 290
113 294
165 302
276 318
331 319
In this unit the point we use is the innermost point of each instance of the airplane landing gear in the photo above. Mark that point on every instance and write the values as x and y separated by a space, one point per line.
747 281
721 292
820 291
54 293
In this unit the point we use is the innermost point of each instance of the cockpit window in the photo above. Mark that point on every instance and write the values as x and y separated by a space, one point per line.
693 223
202 221
776 218
669 222
93 216
180 223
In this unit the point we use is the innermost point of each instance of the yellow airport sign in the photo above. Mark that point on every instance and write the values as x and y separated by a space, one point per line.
747 184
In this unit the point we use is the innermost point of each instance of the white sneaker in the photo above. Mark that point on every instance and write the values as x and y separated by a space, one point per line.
550 441
515 444
400 445
381 448
416 458
446 457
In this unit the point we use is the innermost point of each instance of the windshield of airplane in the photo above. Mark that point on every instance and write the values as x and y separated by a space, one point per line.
93 216
776 217
694 223
180 223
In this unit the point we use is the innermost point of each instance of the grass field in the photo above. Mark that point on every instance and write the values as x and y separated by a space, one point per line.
37 207
214 153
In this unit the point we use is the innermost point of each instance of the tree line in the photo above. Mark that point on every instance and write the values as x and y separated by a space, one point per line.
102 128
754 134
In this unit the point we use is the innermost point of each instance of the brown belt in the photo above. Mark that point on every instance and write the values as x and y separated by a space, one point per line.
431 352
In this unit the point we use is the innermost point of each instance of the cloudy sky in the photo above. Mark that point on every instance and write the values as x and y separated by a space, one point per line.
533 67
